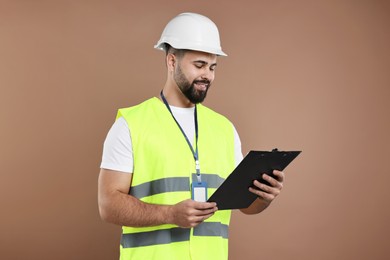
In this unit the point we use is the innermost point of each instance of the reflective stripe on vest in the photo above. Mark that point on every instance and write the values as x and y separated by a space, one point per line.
166 236
160 186
214 229
156 237
172 184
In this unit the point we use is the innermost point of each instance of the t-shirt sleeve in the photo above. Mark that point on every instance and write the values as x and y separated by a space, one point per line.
237 147
117 148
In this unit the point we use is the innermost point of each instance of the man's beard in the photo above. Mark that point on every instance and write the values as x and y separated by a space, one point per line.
188 89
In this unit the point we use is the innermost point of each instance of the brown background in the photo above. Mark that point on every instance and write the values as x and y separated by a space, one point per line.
309 75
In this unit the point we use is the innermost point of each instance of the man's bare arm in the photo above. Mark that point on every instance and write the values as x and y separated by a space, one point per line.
118 207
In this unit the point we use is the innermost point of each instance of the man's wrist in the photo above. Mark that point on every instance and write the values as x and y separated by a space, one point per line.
167 214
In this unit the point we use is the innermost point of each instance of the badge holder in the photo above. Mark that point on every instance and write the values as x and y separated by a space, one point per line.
199 191
199 187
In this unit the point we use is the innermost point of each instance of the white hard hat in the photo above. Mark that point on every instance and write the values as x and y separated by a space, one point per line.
192 32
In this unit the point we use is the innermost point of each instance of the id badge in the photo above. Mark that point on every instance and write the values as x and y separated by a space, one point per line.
199 191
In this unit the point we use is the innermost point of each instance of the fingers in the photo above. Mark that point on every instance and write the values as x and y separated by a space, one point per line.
271 191
191 213
279 174
276 183
263 195
202 218
204 209
204 205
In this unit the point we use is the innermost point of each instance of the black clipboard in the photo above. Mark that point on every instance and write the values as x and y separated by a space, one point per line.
234 193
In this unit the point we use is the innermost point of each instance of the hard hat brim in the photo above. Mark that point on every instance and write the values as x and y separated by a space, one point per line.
191 47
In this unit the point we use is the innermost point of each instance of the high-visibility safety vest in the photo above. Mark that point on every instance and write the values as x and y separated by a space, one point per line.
164 169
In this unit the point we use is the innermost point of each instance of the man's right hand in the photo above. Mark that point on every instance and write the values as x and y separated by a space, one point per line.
190 213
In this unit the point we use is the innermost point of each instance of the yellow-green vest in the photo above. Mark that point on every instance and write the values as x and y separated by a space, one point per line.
164 168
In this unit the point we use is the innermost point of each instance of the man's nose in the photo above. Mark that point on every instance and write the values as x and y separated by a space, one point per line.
208 75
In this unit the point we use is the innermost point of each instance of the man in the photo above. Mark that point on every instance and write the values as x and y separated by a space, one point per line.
158 151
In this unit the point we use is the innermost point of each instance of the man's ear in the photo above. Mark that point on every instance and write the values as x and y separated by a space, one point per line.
171 61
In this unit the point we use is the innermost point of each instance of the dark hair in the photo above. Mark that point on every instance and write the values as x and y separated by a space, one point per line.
179 53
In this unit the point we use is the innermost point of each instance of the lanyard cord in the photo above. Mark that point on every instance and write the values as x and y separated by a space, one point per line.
194 153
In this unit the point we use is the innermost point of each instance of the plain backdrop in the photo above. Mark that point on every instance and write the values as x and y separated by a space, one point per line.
300 75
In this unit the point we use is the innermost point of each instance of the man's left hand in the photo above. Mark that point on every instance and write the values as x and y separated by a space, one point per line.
265 192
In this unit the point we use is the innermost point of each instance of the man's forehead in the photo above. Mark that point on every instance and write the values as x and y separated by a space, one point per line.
201 56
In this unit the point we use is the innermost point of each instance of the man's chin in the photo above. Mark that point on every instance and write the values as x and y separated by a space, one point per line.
199 98
196 96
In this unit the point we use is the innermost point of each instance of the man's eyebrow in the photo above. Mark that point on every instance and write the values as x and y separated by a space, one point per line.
204 62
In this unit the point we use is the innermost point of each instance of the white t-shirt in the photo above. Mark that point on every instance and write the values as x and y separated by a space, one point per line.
118 150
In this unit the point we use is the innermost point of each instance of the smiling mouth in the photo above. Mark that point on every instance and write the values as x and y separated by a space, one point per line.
201 85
